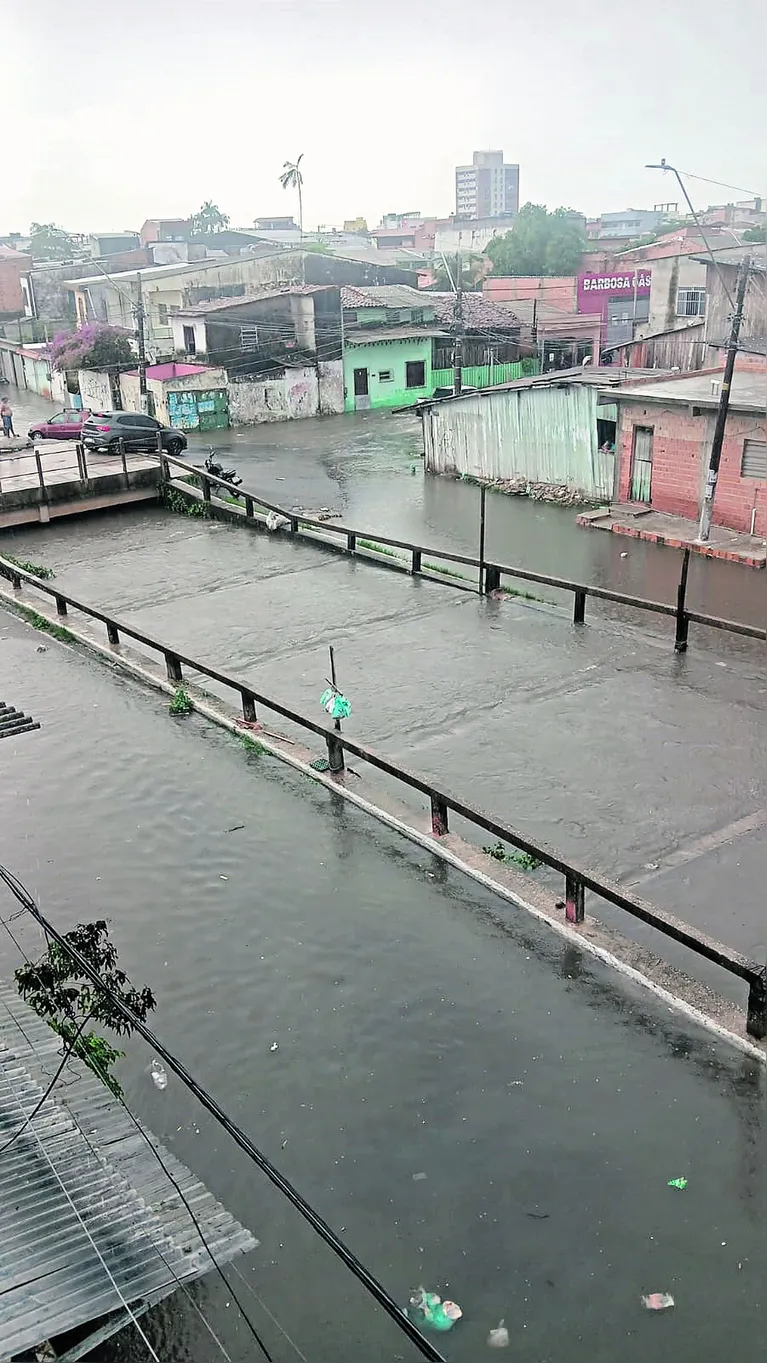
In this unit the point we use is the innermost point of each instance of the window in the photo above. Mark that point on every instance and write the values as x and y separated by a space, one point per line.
415 374
249 337
754 461
162 314
128 419
393 315
691 303
190 344
416 315
385 376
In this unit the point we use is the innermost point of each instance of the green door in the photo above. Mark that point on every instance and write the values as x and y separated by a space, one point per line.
641 464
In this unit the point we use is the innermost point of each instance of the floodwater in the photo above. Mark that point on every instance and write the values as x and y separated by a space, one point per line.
421 1028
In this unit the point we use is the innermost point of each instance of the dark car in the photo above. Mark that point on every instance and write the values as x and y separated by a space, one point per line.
105 431
62 426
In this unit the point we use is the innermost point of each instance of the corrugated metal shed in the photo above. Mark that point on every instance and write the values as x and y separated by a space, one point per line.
546 434
80 1175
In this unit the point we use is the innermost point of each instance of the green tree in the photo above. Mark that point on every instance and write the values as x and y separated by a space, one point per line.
292 178
539 243
49 242
755 234
208 218
59 992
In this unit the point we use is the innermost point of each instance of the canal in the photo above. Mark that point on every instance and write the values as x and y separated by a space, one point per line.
370 1016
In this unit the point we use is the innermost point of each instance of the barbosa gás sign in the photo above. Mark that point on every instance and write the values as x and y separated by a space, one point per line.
595 289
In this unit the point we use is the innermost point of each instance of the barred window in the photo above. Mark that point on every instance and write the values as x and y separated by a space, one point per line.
691 303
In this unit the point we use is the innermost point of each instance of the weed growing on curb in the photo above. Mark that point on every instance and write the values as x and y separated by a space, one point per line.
181 704
524 860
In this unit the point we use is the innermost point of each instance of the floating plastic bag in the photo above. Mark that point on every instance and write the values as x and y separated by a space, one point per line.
159 1075
427 1309
499 1337
658 1301
336 705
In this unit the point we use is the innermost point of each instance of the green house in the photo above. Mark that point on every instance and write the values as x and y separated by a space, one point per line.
398 345
389 332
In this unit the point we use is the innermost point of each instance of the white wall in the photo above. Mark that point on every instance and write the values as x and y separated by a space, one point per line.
285 398
200 335
95 390
331 374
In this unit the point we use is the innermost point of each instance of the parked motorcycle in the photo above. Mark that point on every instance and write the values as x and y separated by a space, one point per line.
217 470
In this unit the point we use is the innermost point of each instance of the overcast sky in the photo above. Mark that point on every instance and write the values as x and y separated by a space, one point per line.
114 113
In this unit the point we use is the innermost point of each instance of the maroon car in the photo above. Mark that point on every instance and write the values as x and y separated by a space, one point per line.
62 426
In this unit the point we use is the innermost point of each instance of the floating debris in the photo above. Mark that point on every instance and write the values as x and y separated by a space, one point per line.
159 1075
680 1183
658 1301
426 1308
418 1177
275 1046
499 1337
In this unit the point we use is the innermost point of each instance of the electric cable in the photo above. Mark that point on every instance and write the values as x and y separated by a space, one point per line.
66 1056
313 1217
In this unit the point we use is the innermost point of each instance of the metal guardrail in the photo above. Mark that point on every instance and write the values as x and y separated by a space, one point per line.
32 465
490 573
578 879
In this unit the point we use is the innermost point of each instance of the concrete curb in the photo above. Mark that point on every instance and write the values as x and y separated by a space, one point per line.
459 855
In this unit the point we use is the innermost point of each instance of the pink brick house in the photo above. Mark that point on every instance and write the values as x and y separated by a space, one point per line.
663 442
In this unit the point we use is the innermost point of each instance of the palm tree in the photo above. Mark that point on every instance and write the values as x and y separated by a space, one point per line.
292 178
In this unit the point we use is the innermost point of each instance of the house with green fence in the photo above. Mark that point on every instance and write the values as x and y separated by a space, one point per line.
398 344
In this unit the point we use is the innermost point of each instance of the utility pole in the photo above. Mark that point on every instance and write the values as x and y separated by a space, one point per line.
141 342
724 404
458 329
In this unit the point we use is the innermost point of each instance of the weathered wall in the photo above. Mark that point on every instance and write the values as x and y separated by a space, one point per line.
681 447
546 435
95 390
283 398
753 331
331 387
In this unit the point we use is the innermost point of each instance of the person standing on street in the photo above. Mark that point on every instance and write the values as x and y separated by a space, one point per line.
6 413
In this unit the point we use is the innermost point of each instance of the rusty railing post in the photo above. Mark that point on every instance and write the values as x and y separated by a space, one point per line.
61 605
682 621
41 479
756 1020
249 508
492 579
113 633
124 463
294 525
351 542
439 826
415 566
248 706
579 606
575 899
482 501
173 669
79 455
335 754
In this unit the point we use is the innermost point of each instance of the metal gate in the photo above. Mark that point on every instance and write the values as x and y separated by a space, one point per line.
205 409
641 464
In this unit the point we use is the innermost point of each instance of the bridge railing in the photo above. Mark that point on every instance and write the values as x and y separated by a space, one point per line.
489 574
65 461
577 878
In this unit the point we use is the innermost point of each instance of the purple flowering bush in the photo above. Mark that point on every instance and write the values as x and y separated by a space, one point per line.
97 345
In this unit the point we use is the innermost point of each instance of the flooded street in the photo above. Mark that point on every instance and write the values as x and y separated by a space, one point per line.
421 1028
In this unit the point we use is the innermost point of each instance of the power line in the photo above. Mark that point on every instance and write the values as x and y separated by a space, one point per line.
363 1274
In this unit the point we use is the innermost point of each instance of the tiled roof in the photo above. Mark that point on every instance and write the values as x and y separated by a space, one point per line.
372 335
82 1162
384 296
478 311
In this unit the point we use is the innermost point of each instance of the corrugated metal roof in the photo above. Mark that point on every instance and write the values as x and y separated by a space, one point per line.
82 1157
223 304
701 389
